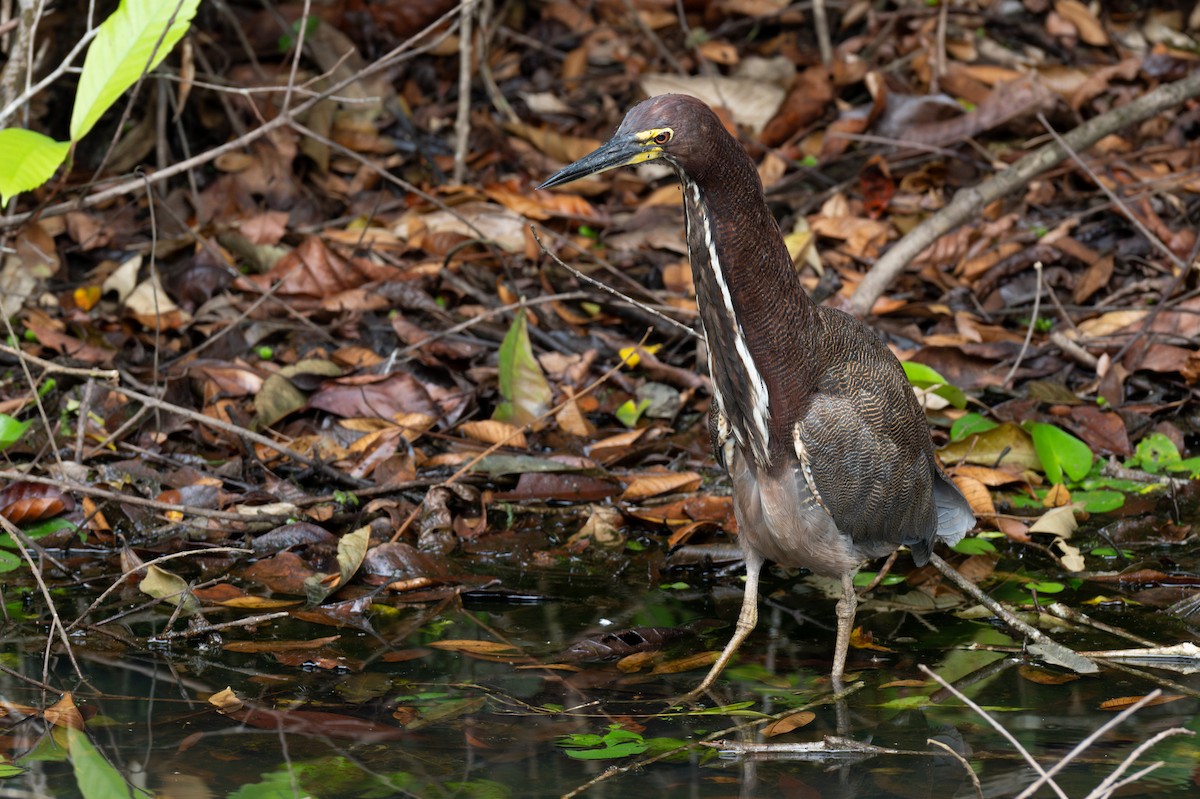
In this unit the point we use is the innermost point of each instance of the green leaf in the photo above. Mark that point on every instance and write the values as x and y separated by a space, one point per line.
9 561
1099 501
1154 453
27 160
974 546
39 530
1045 587
11 430
922 376
970 424
863 579
1060 452
616 743
95 777
1191 465
629 413
523 388
134 40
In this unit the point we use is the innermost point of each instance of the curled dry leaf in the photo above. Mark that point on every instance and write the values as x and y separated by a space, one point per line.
977 496
23 503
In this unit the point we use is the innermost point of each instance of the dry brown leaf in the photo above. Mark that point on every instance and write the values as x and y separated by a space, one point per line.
794 721
1056 497
1058 521
1106 324
1085 22
718 51
679 665
64 713
572 421
473 647
1042 677
651 485
1122 702
977 496
490 431
987 475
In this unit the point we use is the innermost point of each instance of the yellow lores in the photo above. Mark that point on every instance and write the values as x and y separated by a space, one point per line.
652 140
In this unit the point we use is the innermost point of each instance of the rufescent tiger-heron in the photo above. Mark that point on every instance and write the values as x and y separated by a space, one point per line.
826 446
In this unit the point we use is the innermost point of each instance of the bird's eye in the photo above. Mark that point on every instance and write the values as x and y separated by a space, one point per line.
663 137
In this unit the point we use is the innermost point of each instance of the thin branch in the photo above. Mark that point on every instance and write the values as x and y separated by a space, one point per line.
968 202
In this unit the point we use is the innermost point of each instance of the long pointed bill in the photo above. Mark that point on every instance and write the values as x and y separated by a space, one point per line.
617 151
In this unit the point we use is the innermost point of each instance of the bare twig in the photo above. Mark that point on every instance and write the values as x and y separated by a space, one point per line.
462 124
1037 303
687 329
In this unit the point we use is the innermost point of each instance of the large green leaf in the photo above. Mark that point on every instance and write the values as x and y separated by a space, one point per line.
1060 452
134 40
95 777
27 160
524 392
11 430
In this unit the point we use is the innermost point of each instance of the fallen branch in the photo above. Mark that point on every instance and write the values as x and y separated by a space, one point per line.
968 202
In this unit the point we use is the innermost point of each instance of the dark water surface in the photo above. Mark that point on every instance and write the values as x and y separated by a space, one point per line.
406 719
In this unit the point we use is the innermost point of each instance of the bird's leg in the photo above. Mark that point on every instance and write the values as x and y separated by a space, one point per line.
845 616
747 619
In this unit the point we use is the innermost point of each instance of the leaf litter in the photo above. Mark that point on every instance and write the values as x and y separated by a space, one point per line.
426 382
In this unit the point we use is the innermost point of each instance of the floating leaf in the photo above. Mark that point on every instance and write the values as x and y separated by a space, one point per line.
162 584
9 562
1099 501
1060 452
1191 466
95 776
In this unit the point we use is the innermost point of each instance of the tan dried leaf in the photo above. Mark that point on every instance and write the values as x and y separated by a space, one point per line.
651 485
788 723
1079 15
490 431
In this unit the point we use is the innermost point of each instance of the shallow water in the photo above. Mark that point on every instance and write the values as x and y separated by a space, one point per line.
402 718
